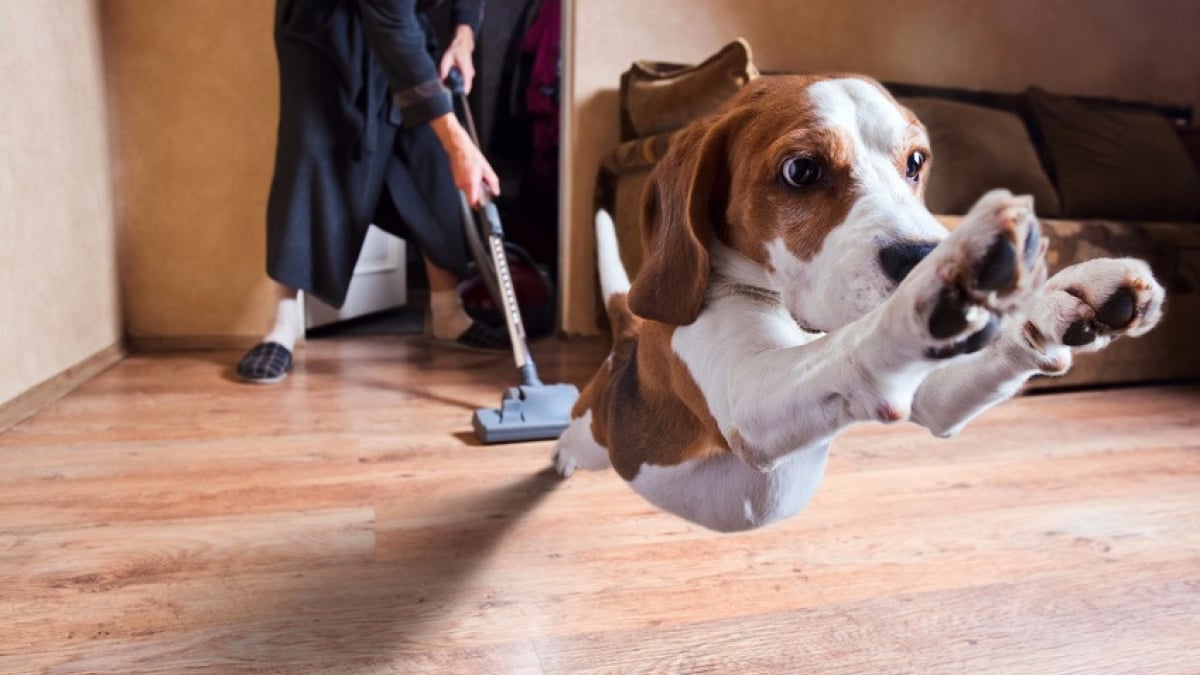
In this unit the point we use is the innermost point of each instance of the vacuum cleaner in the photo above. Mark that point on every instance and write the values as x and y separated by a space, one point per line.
532 410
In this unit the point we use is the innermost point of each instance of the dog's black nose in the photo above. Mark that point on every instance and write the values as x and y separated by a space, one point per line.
899 259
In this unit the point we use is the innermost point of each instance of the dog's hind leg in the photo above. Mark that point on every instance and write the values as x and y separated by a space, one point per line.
1082 308
578 449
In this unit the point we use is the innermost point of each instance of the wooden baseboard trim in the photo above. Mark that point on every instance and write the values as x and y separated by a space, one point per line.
192 343
31 402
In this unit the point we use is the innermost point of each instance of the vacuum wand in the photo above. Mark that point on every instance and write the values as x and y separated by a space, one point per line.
512 312
495 234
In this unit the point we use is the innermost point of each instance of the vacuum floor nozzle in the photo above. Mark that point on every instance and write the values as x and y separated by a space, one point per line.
527 414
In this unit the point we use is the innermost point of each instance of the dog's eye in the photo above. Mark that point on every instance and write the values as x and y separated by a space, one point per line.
916 162
801 172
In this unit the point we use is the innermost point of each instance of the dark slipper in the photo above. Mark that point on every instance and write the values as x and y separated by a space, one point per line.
478 337
265 363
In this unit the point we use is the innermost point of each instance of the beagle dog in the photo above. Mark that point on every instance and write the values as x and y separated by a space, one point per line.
795 284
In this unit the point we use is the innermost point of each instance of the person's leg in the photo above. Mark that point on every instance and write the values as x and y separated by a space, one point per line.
287 317
270 360
448 322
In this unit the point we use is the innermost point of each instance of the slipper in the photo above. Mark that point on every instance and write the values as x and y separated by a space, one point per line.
477 337
265 363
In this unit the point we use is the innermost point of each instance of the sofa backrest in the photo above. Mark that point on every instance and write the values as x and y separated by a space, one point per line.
1177 114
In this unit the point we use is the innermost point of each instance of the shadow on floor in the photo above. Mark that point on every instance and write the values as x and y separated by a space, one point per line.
401 608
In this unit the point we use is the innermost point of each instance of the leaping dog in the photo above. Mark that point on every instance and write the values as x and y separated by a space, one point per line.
795 284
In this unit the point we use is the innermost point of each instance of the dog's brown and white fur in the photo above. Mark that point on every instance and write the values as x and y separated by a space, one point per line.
795 284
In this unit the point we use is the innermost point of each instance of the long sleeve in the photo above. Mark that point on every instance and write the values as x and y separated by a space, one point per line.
398 40
468 13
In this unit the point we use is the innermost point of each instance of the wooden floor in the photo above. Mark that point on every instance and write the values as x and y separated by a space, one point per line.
166 519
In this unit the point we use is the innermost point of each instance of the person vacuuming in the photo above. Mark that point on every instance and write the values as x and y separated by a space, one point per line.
367 134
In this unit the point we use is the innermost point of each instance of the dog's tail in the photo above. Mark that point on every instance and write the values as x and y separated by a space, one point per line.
614 280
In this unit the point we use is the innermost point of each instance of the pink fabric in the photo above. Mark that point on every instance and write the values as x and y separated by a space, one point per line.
542 40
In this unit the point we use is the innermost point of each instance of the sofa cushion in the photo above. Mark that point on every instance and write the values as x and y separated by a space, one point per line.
976 149
1113 163
658 97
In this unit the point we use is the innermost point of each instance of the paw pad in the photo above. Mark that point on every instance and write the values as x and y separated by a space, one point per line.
949 314
1079 333
1116 313
1119 310
998 270
970 344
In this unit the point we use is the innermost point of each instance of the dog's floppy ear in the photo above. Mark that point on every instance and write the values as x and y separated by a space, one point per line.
683 200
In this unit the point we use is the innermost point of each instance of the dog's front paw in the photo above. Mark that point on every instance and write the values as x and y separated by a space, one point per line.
987 268
1086 306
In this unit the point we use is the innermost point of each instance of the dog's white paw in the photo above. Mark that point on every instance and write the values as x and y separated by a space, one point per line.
564 461
577 449
1086 306
986 269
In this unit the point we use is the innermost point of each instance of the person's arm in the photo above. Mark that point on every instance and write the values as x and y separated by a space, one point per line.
471 169
398 41
467 15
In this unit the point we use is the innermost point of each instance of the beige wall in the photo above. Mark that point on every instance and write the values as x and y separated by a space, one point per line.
58 283
195 94
1144 49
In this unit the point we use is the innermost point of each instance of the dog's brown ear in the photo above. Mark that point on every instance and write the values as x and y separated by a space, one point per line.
684 199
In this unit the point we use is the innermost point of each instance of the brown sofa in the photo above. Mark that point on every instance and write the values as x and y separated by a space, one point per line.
1109 177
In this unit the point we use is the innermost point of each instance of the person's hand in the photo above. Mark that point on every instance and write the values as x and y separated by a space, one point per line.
458 55
472 172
